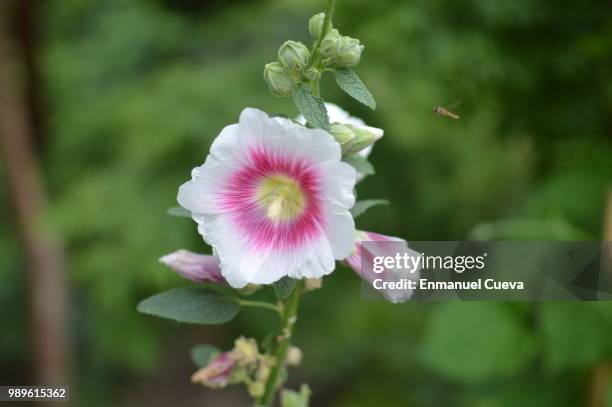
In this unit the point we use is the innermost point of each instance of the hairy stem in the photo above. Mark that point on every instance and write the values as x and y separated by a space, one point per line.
315 88
284 339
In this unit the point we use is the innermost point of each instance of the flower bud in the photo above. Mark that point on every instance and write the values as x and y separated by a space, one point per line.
381 245
291 398
315 25
200 268
279 81
364 136
313 284
217 373
329 45
348 52
343 134
245 351
294 55
312 74
294 356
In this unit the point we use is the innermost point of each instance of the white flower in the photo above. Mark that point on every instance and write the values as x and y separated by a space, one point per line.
273 200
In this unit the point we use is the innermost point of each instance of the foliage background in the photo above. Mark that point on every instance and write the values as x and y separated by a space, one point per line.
136 91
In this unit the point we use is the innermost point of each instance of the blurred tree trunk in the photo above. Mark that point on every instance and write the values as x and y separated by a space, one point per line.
47 291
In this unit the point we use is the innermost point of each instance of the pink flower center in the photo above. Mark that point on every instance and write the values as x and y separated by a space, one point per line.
275 200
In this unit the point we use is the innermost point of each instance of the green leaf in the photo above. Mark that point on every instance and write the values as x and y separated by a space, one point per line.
360 164
576 335
311 107
349 82
284 287
477 342
191 305
179 211
362 206
202 354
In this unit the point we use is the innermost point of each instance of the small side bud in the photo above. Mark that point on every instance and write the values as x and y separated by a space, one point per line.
349 52
312 74
217 373
330 43
343 134
364 136
245 351
291 398
294 55
279 81
313 284
294 356
315 25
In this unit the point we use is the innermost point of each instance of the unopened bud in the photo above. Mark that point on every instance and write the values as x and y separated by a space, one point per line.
312 74
294 55
245 351
294 356
349 52
364 136
279 81
344 134
256 389
315 25
217 373
313 284
329 44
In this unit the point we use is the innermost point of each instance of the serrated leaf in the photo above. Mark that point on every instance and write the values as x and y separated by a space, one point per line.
284 287
311 107
191 305
361 207
360 164
203 354
349 82
178 211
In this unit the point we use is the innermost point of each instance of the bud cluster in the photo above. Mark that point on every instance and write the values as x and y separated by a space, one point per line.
292 68
297 63
243 364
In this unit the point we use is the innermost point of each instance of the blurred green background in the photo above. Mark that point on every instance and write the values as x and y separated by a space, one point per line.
133 92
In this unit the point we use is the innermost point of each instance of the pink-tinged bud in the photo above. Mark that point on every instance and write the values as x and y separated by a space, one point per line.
195 267
217 373
381 246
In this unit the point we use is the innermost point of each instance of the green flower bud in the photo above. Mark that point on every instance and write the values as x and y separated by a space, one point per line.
315 25
280 82
312 74
344 134
294 55
329 45
364 136
348 52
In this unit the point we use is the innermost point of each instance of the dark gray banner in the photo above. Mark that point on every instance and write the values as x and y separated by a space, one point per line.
486 271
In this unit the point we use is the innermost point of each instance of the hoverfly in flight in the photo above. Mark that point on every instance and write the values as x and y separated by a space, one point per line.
442 111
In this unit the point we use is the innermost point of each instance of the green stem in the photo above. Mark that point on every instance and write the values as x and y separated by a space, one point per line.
260 304
315 88
289 316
